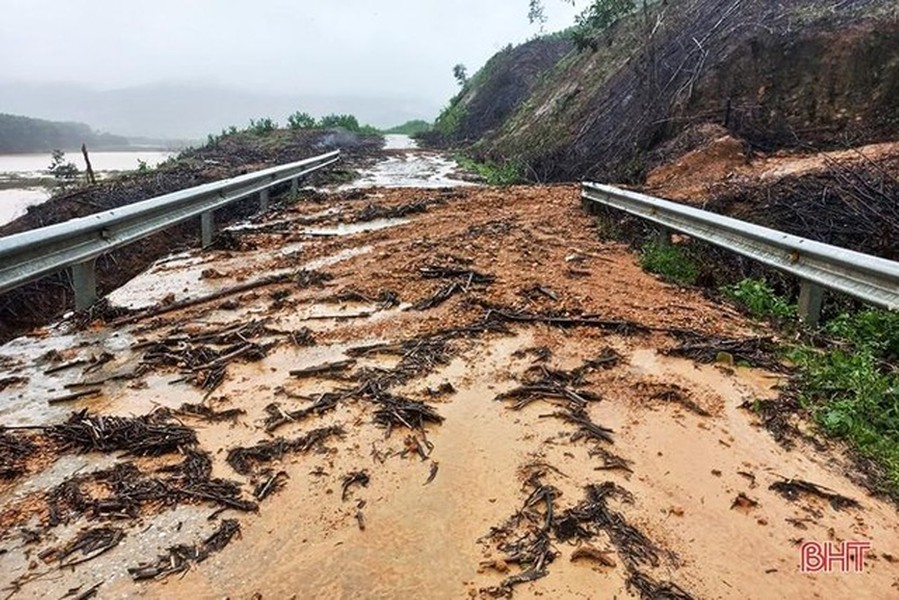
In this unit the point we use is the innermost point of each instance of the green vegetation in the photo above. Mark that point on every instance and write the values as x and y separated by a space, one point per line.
414 127
450 119
348 122
23 134
508 173
599 16
301 120
262 126
850 386
65 173
670 261
759 299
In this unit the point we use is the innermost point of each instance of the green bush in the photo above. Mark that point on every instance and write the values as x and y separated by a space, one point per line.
507 173
759 299
262 126
300 120
670 261
348 122
854 396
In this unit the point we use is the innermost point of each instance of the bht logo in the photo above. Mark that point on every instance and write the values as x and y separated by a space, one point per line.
828 557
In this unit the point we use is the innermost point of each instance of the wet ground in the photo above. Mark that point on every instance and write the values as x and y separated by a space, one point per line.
443 392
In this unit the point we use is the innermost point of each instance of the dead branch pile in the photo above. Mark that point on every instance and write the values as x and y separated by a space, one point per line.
793 489
14 453
123 491
148 435
852 205
757 352
244 459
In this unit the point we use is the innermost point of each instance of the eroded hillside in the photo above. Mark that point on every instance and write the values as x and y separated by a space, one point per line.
778 75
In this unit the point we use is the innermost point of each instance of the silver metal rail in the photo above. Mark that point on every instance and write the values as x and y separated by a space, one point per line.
76 244
818 266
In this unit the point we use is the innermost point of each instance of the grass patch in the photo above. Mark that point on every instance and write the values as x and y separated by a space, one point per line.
670 261
508 173
759 299
851 386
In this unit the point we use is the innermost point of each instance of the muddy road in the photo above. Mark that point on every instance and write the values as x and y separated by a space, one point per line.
441 391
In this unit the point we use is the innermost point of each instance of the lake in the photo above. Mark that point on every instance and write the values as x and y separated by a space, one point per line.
14 199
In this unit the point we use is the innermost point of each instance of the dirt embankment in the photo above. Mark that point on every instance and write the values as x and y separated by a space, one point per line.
43 301
843 197
478 397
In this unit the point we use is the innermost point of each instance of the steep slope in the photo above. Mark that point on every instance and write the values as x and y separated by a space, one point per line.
499 88
776 74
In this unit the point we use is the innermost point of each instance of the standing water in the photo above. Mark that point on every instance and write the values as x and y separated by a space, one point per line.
20 174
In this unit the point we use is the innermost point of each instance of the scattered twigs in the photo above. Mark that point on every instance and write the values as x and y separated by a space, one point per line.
175 306
619 326
757 352
91 543
179 558
355 478
792 489
244 459
75 396
467 275
278 417
149 435
14 453
204 412
327 369
271 484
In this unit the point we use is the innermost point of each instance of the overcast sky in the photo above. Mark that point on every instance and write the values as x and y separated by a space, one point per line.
403 48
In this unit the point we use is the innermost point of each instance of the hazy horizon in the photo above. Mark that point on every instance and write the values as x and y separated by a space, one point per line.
385 62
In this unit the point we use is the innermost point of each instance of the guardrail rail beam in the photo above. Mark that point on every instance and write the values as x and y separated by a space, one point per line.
819 266
76 244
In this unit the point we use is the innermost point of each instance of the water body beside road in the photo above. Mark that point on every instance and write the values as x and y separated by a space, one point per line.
18 173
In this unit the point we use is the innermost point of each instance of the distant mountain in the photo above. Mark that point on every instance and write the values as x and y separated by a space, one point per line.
23 134
187 111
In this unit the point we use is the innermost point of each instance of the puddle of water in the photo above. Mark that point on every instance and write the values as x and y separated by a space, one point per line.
413 169
327 261
351 228
27 405
394 141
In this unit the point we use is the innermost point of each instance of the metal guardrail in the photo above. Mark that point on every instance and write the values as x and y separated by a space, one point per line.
76 244
818 266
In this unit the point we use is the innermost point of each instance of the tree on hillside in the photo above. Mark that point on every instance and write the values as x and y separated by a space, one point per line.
461 74
300 120
599 16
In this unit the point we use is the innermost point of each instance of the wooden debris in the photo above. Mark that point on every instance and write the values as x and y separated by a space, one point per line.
355 478
792 489
75 396
326 369
150 435
244 459
179 558
594 554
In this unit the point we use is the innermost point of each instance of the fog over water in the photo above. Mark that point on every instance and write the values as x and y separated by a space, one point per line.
182 68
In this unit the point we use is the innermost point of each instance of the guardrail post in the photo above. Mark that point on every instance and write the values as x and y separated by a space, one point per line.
84 282
663 236
263 200
207 228
811 296
294 187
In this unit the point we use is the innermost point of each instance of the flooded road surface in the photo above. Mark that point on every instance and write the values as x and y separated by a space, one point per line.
414 392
